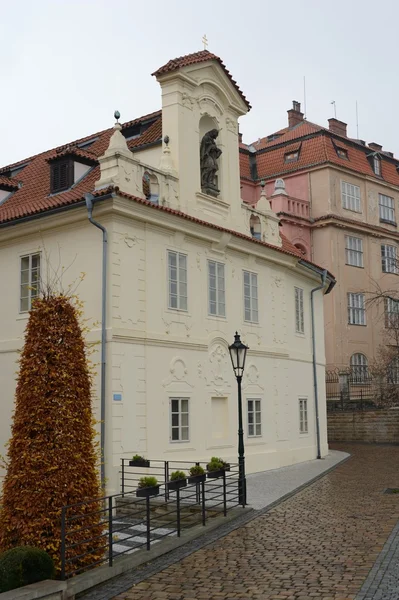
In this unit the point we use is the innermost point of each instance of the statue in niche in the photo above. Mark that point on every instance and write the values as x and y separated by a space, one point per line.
209 154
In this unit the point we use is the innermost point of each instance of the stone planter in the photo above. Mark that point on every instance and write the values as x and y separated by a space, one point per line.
139 463
177 484
147 491
197 478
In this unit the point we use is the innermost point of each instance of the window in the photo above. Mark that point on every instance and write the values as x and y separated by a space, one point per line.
342 153
250 297
391 313
177 264
179 430
30 281
377 165
216 289
299 320
350 195
254 418
291 156
359 368
303 415
255 227
354 251
393 371
62 175
389 259
387 208
356 309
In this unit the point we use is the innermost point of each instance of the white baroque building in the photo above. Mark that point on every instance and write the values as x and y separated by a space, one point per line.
184 270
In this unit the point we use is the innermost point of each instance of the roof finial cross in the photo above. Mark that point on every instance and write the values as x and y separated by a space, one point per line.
205 42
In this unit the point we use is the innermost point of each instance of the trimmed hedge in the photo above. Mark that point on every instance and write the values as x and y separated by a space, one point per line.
24 565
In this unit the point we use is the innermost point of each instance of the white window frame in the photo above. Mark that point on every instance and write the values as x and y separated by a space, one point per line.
393 371
179 427
303 416
28 287
354 251
299 311
391 313
181 299
254 417
216 286
250 290
356 309
386 208
377 165
359 367
389 260
350 196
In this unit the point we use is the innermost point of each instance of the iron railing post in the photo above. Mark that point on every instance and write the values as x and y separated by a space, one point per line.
225 495
203 502
123 476
148 522
178 511
197 488
63 533
110 551
166 475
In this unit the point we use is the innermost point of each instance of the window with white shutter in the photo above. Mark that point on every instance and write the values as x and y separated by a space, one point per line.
251 297
386 208
354 251
299 313
30 281
216 289
303 415
177 270
350 195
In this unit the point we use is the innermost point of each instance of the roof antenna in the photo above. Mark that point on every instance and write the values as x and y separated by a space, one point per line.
357 122
205 42
304 96
335 108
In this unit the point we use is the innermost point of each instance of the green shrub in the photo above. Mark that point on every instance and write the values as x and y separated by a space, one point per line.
176 475
139 458
214 465
24 565
145 482
196 470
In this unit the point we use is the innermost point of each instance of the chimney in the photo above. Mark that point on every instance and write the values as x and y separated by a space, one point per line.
295 115
375 147
338 127
240 137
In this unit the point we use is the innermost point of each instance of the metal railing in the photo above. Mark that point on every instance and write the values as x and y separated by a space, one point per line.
351 391
99 531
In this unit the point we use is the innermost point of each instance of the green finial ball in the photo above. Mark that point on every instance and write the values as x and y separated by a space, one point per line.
117 115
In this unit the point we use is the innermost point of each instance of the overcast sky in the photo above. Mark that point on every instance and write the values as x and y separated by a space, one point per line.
67 65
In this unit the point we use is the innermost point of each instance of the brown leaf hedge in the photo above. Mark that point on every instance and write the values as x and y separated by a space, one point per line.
53 453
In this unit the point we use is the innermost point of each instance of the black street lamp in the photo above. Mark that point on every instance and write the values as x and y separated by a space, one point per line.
238 353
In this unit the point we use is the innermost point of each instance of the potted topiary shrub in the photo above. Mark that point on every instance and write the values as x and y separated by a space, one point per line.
216 467
197 474
24 565
139 461
178 479
148 486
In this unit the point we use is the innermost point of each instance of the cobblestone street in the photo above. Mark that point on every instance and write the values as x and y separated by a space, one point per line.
320 543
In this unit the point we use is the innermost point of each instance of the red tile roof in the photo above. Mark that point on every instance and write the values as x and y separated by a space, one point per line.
34 194
195 58
287 134
73 151
7 183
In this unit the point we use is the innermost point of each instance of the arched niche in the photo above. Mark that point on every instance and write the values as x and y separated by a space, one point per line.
210 185
302 249
151 187
255 227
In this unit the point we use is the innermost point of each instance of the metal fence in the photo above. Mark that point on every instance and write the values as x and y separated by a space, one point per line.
347 390
99 531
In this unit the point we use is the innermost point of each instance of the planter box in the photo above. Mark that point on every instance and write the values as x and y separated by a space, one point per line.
139 463
226 467
197 478
148 491
176 485
215 474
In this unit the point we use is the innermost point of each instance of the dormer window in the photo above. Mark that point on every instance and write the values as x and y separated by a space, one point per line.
7 187
342 153
377 165
62 175
291 156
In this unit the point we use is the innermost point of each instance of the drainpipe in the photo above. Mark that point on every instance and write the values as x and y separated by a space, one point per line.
316 393
89 204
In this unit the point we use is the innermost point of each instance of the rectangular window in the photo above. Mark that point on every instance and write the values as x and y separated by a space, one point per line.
386 208
356 309
389 260
391 313
254 418
30 281
303 415
177 265
250 297
350 195
216 289
299 320
354 251
377 165
61 175
179 423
